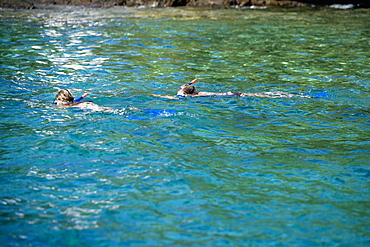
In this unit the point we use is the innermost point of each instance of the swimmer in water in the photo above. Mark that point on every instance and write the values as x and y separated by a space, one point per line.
188 90
64 98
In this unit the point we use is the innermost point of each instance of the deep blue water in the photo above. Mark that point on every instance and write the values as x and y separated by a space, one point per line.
211 171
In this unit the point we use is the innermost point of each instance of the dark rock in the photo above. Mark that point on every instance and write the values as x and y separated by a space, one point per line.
17 4
356 3
30 4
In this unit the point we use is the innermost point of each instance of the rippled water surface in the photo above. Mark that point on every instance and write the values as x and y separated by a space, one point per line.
218 171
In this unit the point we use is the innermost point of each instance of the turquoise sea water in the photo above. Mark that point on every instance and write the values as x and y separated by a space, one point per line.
208 172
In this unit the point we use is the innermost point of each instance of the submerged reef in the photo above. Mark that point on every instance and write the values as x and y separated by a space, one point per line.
30 4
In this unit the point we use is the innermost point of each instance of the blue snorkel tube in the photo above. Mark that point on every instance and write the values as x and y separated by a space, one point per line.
81 98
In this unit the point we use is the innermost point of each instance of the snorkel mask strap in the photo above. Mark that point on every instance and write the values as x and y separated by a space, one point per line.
81 98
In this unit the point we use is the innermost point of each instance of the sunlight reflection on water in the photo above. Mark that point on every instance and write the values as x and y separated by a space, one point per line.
195 171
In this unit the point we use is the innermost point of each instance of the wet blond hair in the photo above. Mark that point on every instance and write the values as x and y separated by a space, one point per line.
64 97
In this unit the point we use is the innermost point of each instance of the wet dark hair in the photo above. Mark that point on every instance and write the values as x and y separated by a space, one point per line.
64 97
186 89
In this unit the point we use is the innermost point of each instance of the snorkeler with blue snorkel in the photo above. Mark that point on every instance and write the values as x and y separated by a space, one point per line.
64 98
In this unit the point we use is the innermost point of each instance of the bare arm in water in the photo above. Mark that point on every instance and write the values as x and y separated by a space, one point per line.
277 94
165 96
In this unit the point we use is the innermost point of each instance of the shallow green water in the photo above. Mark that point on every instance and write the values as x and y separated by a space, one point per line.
212 171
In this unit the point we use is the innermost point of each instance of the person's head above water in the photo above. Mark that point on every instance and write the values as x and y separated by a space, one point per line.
187 89
64 97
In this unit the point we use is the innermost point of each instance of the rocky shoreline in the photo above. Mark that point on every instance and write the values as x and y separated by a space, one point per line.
31 4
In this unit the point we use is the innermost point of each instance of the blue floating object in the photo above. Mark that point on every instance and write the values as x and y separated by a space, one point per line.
319 94
152 113
157 112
